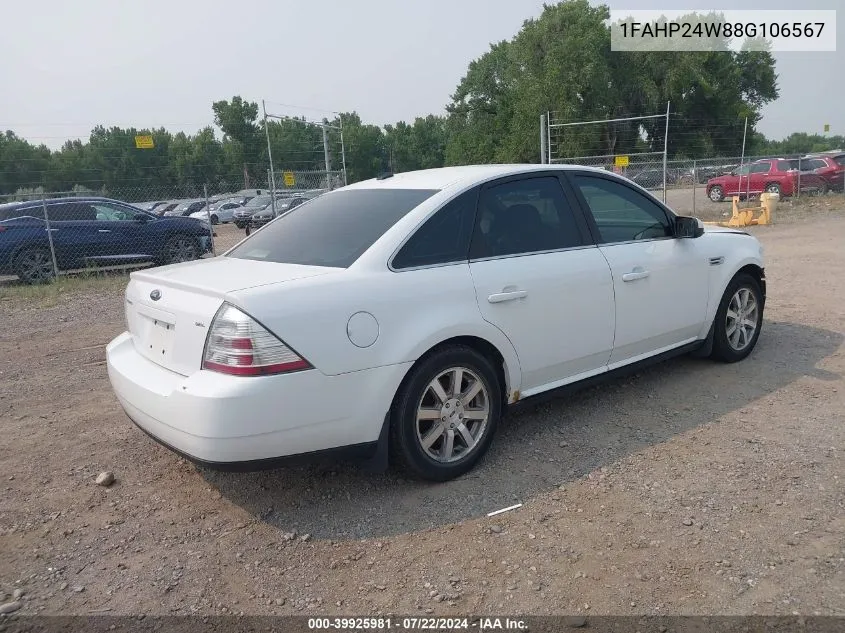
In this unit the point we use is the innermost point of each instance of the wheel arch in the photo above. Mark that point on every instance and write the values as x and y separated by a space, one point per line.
502 357
749 265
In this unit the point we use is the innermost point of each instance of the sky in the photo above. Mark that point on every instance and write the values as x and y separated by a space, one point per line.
68 66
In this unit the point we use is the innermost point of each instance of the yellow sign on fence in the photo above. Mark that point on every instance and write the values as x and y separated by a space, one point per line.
827 127
621 161
144 142
290 179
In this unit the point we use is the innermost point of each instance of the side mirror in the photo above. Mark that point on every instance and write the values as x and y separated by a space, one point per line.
142 218
688 228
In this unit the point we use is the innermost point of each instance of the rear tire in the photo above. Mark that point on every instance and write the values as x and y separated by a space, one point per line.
215 219
774 187
34 266
739 319
440 437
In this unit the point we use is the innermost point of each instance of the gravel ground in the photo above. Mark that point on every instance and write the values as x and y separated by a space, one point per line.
690 488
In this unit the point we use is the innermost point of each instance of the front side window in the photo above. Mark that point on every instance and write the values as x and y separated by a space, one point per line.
444 238
621 213
113 213
529 215
332 230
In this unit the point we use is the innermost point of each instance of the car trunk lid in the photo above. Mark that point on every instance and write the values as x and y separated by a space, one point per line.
170 309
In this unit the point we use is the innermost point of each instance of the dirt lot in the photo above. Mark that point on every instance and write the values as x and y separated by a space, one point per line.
690 488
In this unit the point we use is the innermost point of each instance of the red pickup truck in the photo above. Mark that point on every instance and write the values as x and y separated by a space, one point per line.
773 175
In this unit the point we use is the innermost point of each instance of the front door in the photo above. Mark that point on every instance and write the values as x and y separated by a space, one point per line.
660 282
539 280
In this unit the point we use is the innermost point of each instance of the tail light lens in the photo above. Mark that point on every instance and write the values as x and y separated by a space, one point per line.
240 346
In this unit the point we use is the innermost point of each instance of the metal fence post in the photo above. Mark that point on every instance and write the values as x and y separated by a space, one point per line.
798 192
210 226
327 159
694 182
543 150
50 238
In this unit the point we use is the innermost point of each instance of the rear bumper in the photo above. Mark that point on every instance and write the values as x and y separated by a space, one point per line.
233 422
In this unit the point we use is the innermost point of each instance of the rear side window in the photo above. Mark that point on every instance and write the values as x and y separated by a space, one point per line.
444 238
528 215
11 214
761 168
332 230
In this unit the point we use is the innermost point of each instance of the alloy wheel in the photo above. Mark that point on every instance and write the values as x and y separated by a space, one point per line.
452 414
741 319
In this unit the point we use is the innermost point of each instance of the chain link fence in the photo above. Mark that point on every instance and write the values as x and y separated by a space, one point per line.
702 187
45 234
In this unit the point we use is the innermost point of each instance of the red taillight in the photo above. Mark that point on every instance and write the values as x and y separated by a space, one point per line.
2 228
240 346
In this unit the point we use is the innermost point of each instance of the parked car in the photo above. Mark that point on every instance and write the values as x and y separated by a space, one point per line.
166 207
283 205
653 178
222 212
828 167
92 231
772 175
187 207
151 206
432 300
242 215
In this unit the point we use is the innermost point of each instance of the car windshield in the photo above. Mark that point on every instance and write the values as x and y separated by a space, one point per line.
184 206
332 230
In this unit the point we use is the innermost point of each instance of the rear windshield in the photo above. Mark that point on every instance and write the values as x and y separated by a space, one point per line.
260 201
332 230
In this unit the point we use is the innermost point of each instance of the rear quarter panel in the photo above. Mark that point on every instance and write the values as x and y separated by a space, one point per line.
415 310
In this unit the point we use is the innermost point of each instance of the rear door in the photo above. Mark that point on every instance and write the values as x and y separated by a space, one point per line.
541 281
660 283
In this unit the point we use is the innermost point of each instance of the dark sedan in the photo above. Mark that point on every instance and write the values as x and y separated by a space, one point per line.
283 205
85 232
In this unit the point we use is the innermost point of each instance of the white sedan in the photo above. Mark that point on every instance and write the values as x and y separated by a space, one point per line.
222 212
401 316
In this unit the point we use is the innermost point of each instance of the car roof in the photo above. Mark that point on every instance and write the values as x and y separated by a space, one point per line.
445 177
25 204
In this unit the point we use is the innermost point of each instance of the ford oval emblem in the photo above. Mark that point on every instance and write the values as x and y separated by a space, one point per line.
155 295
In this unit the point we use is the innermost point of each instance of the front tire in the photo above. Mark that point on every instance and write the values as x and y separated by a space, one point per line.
739 319
445 415
716 193
180 248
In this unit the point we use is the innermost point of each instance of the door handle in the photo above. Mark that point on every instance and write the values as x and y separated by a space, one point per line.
635 274
103 230
501 297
